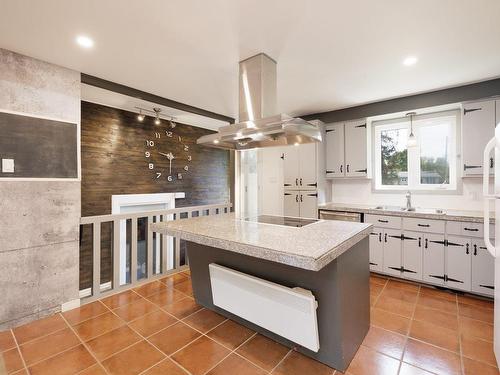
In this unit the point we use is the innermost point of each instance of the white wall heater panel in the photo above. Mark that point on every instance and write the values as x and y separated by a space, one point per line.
288 312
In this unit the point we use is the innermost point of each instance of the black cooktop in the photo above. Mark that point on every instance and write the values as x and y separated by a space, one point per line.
282 220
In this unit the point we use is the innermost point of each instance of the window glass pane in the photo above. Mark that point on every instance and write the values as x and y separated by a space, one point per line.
434 146
394 156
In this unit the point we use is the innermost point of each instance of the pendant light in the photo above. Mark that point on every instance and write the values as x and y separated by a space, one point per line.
157 119
412 140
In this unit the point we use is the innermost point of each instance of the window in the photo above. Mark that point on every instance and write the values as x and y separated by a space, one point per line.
431 165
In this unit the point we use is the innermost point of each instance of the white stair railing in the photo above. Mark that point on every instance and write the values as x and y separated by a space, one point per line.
96 291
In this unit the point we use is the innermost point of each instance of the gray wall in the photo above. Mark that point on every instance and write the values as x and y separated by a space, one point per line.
39 220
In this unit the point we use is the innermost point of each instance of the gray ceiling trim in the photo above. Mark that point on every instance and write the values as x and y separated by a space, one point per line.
458 94
135 93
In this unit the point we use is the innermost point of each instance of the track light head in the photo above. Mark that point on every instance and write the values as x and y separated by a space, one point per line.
157 119
172 123
140 116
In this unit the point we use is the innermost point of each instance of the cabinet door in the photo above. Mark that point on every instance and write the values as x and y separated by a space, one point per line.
355 149
483 269
335 150
478 127
291 167
458 263
307 166
291 204
412 255
376 250
308 204
433 258
392 252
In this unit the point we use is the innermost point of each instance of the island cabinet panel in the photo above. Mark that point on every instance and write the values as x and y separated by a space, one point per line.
376 250
341 289
433 258
392 252
483 269
412 255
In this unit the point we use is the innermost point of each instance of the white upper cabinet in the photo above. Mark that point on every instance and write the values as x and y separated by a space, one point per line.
478 127
299 167
291 167
335 150
355 149
307 166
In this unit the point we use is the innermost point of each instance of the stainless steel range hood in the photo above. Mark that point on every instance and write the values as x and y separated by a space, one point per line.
259 124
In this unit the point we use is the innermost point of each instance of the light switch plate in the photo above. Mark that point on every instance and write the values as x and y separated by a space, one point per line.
8 165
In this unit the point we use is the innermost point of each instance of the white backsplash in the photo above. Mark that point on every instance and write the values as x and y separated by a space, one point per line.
360 192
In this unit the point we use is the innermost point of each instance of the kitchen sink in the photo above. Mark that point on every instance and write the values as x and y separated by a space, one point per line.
413 209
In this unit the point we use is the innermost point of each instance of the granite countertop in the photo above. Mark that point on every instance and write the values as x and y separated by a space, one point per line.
310 247
424 213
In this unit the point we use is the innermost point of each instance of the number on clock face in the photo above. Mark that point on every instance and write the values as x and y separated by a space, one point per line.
162 158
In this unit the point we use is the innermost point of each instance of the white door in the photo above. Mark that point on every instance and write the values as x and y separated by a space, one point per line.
483 269
433 258
412 255
335 150
308 204
291 167
376 250
478 127
392 252
458 263
355 148
307 166
291 204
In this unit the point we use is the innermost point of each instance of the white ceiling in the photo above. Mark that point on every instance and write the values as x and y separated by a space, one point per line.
331 53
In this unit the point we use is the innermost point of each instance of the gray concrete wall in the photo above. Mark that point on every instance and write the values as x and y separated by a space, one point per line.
39 220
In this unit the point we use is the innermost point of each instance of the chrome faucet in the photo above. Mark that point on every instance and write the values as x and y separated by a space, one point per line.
408 201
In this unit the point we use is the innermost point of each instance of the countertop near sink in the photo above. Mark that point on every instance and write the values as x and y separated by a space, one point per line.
424 213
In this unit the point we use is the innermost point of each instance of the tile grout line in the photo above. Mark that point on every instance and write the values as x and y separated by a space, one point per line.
462 367
282 359
409 330
18 350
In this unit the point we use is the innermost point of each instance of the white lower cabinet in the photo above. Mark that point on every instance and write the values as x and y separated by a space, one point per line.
458 263
376 250
392 252
301 203
483 269
433 258
412 255
291 205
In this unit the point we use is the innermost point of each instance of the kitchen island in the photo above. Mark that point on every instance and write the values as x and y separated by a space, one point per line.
305 285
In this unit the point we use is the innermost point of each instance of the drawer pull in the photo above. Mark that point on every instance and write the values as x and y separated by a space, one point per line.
424 225
383 221
472 229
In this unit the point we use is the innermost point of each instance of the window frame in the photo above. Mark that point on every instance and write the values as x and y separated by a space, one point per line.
414 154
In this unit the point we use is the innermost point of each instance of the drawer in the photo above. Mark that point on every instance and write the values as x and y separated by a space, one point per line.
423 225
468 229
384 221
454 228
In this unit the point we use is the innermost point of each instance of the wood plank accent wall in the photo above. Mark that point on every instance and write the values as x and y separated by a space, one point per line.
113 143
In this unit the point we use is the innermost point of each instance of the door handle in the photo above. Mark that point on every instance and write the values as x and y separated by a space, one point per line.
467 249
419 241
486 194
426 243
347 168
300 182
341 168
385 237
475 249
296 182
296 198
380 237
301 197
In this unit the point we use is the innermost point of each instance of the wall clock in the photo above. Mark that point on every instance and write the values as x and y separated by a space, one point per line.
167 156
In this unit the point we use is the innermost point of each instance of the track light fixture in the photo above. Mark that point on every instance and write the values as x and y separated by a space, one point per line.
157 119
140 116
172 123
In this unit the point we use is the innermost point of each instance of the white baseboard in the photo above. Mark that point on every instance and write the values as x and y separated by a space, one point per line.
70 305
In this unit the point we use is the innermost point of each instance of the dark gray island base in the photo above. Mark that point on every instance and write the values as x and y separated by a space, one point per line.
341 289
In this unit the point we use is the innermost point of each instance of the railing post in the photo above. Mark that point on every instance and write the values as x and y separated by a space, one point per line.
116 253
149 249
133 252
164 248
96 271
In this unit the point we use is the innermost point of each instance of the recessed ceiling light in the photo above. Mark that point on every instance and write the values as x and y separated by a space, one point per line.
84 41
410 60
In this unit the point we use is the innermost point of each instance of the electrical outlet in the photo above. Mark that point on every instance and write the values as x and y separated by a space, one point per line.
8 165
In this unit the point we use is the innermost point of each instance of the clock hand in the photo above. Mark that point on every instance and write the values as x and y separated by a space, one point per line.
162 153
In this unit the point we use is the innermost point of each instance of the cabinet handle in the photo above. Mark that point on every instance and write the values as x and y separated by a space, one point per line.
341 168
491 163
300 182
296 198
380 237
424 225
301 198
385 237
383 221
327 171
347 168
471 110
471 229
471 166
419 241
467 249
475 249
426 243
296 182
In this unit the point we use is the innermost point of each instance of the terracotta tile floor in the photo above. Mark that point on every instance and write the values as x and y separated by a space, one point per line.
159 329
